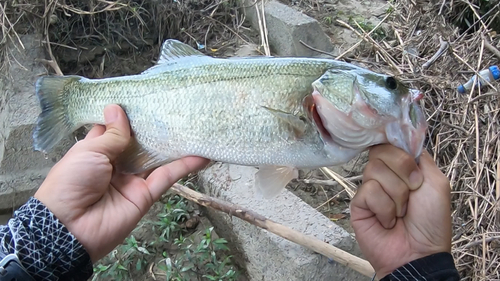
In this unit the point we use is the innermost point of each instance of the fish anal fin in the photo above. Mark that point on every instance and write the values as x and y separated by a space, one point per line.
136 159
298 124
272 180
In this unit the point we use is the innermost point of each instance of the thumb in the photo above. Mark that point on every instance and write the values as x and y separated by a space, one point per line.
117 135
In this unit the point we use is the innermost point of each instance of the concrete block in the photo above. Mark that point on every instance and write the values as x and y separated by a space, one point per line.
19 110
15 189
4 219
287 27
265 255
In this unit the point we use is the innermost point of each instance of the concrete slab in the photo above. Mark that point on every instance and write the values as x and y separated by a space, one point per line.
4 219
15 189
267 256
21 168
287 27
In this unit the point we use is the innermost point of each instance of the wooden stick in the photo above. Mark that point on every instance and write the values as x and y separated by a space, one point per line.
490 47
331 182
360 265
442 49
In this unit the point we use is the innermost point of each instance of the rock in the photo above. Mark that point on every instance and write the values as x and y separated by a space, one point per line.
287 27
21 168
265 255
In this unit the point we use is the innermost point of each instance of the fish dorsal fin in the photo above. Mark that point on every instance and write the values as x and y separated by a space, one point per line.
173 54
172 50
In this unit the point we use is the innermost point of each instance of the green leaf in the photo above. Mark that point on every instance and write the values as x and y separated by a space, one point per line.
187 268
143 250
138 265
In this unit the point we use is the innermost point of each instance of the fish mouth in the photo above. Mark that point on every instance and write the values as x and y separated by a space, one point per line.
338 128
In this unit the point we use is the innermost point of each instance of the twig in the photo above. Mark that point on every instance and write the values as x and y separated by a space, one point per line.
263 29
332 174
364 38
314 244
497 185
328 201
478 97
492 48
331 182
477 242
442 49
377 46
316 50
52 62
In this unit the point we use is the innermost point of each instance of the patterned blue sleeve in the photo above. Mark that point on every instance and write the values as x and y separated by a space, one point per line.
436 267
44 246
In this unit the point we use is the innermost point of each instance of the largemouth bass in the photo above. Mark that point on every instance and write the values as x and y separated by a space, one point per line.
278 114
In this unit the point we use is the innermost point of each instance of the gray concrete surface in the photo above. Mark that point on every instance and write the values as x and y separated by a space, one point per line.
287 27
265 255
4 219
21 168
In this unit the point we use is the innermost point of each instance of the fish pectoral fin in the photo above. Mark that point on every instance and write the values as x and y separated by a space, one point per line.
136 159
297 122
271 180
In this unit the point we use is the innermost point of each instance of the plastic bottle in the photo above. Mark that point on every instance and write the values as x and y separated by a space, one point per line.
490 74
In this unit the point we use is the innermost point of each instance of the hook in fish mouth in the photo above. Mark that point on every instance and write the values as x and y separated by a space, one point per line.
416 95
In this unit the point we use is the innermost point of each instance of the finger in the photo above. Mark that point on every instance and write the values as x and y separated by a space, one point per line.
146 174
400 162
397 189
96 131
164 177
117 135
371 199
439 180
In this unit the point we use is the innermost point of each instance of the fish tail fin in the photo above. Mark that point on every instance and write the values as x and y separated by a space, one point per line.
53 123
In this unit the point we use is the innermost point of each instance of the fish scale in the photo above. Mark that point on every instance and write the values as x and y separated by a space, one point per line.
246 111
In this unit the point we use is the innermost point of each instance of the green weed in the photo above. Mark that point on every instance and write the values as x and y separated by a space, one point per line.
176 252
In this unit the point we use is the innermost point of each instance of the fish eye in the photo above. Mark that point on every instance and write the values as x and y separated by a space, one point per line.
391 83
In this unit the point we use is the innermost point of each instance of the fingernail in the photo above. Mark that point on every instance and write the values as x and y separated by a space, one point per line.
110 114
415 179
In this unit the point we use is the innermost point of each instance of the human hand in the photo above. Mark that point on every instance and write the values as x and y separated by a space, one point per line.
402 211
99 206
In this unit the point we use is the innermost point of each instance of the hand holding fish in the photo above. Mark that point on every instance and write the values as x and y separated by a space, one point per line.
101 207
402 211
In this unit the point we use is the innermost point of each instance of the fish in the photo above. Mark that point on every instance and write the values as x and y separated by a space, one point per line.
278 114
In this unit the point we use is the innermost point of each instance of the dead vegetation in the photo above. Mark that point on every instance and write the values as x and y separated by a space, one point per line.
464 129
102 38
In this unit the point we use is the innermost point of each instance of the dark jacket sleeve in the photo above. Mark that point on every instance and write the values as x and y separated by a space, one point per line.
44 246
437 267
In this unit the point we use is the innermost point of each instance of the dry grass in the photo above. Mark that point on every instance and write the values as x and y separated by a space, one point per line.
101 38
464 129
